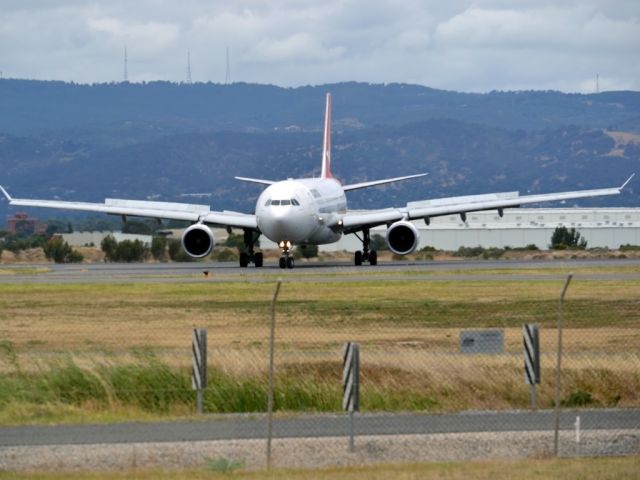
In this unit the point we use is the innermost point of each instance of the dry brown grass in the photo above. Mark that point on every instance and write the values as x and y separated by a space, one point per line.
409 314
533 469
408 330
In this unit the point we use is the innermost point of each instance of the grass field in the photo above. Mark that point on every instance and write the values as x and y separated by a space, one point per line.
565 469
110 352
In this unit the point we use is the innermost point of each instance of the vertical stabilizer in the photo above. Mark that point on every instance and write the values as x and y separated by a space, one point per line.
326 146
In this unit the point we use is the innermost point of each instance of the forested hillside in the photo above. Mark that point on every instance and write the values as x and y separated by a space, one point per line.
168 141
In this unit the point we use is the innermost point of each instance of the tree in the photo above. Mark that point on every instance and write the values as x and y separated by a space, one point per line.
306 251
159 248
137 227
59 251
378 242
131 251
24 228
109 246
564 238
237 240
176 252
57 226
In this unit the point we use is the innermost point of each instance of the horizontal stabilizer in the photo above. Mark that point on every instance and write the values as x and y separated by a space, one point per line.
255 180
356 186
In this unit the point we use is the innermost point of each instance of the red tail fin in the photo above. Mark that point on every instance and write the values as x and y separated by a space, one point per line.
326 146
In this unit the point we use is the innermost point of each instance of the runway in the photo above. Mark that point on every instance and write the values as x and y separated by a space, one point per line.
203 272
255 427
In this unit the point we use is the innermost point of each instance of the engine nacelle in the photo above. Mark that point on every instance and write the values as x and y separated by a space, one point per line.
197 240
402 237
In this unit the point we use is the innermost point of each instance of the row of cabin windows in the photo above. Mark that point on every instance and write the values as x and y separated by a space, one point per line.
292 201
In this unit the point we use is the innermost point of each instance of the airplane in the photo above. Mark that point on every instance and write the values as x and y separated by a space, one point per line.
311 211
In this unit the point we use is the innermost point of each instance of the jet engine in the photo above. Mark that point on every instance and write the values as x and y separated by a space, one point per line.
402 237
197 240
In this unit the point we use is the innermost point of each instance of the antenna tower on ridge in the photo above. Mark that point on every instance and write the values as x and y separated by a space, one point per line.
189 67
227 76
126 70
597 83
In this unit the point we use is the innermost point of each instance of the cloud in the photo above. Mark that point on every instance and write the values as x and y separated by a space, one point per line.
466 45
547 27
146 38
299 47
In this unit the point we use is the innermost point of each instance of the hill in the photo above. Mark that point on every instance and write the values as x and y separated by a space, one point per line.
165 141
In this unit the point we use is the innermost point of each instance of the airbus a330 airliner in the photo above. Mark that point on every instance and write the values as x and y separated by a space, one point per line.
310 211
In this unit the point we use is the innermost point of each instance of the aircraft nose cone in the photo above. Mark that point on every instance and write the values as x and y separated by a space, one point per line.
286 224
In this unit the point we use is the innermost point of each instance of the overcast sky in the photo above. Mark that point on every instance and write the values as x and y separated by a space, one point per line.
474 46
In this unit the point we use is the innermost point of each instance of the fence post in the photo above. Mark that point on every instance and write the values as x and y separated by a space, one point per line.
559 365
531 343
272 336
199 370
351 385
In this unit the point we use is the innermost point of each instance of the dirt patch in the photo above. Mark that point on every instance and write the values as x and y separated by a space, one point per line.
32 255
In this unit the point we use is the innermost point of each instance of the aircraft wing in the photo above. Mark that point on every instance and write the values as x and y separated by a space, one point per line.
139 208
356 220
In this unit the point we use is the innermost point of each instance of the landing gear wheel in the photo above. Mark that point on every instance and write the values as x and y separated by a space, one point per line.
373 257
357 258
283 262
250 238
289 262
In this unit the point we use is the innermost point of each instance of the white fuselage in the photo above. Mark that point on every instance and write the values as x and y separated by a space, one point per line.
302 212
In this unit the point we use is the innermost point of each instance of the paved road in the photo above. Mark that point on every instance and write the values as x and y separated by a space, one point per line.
254 427
325 271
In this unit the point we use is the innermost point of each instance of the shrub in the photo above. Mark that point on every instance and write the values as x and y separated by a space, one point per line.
378 242
305 251
159 248
225 255
564 238
176 252
125 251
59 251
629 248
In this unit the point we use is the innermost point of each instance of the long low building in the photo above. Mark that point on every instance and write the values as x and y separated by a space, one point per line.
86 239
601 227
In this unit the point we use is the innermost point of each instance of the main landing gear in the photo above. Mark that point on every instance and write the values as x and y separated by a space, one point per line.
365 255
286 260
249 256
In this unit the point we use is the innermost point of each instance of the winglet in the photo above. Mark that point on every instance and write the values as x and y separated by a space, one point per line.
628 180
9 199
326 145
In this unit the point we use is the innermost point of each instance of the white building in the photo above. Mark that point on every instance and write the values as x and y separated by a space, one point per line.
86 239
519 227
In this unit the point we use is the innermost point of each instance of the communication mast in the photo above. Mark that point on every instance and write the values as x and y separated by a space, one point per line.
189 67
227 76
597 83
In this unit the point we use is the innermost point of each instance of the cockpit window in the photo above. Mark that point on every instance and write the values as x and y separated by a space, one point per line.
284 202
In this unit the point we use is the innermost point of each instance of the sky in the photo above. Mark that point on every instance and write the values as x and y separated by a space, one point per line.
462 45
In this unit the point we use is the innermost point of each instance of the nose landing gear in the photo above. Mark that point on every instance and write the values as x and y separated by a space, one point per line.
286 260
365 255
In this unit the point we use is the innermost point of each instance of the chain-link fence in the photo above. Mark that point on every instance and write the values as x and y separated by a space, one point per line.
437 358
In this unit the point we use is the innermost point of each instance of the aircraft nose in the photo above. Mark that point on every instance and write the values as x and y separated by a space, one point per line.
286 223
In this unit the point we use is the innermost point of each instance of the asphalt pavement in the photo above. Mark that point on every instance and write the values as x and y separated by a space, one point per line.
463 270
255 427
